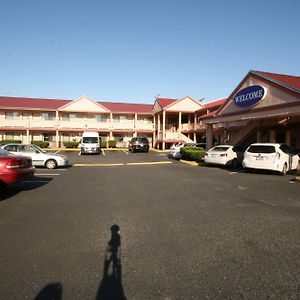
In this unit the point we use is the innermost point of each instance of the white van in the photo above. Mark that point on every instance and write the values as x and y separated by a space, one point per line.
90 142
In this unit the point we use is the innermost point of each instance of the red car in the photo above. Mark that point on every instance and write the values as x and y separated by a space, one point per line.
14 168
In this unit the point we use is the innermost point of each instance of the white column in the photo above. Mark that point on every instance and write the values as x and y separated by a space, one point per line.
57 139
111 120
158 125
179 122
209 136
135 121
164 129
27 137
195 137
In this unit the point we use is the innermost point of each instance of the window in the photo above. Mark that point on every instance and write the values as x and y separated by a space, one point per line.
120 118
287 149
48 116
261 149
27 149
101 118
49 137
12 136
71 117
12 115
11 148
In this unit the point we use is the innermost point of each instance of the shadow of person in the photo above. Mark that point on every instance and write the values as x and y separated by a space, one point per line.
111 284
52 291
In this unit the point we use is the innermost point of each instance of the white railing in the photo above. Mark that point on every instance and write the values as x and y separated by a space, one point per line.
14 123
122 125
82 124
42 124
187 126
144 125
200 126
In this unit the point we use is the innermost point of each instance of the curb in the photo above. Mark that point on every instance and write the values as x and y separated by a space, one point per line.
297 178
190 163
160 151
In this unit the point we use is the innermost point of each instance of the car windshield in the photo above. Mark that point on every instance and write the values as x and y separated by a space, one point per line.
90 140
220 148
3 152
261 149
142 140
39 149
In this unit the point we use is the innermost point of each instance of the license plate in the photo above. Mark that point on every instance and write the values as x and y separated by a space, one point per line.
259 158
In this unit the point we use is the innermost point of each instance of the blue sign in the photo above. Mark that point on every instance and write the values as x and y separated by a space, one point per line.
249 96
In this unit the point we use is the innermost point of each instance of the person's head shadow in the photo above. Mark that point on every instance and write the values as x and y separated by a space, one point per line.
52 291
111 284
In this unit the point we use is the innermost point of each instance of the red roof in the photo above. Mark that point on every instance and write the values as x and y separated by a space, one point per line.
128 107
54 104
210 114
164 102
288 80
215 104
32 102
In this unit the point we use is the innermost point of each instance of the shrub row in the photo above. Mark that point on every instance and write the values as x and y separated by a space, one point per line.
41 144
193 154
3 142
71 144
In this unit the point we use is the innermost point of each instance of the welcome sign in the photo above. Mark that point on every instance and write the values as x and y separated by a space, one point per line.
249 95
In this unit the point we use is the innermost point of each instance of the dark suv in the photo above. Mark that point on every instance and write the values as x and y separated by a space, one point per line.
138 144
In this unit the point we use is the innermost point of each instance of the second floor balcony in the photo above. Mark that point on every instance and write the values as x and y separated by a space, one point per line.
76 124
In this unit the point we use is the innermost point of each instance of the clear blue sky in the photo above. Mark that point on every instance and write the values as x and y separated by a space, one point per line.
132 50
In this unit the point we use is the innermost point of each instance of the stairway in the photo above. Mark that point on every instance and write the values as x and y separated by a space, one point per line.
173 136
242 134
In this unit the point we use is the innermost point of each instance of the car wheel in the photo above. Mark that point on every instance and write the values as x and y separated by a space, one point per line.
2 185
234 164
284 169
51 164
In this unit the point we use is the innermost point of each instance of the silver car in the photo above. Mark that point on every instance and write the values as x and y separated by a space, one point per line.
40 157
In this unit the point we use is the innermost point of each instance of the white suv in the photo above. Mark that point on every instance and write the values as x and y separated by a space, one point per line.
268 156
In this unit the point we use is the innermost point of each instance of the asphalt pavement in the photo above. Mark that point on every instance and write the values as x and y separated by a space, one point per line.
185 232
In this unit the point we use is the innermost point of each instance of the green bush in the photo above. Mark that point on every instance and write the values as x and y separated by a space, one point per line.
193 154
3 142
41 144
112 144
103 144
71 144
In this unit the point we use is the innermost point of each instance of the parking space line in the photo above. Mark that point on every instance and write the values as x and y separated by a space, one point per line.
103 152
149 163
57 151
79 153
126 152
97 165
50 174
124 164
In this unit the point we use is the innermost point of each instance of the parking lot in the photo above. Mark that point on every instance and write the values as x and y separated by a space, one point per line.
186 232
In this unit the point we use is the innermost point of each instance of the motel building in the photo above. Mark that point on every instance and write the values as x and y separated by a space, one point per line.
58 121
264 107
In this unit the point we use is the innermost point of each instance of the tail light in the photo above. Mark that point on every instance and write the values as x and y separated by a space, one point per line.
223 154
14 164
17 163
